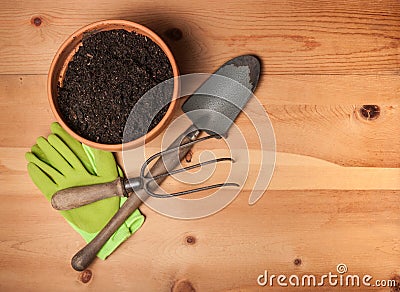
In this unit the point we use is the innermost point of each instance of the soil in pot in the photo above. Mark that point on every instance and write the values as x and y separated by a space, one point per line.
108 74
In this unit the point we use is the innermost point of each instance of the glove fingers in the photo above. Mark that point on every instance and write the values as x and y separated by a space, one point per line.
104 162
39 153
66 152
47 169
120 171
54 157
72 144
45 184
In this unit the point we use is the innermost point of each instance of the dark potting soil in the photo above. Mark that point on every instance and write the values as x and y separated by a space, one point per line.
107 76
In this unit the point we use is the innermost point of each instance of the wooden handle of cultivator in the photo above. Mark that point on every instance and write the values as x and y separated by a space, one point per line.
86 255
79 196
83 258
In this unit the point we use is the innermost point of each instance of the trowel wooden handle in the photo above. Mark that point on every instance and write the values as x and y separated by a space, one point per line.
78 196
86 255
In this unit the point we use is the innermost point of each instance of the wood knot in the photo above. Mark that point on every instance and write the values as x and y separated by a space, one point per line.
183 286
174 34
297 262
370 112
85 276
190 240
36 21
189 156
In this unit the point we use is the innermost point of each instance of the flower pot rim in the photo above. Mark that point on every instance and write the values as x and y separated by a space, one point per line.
63 57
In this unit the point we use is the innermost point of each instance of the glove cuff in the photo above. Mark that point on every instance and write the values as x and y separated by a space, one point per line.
123 233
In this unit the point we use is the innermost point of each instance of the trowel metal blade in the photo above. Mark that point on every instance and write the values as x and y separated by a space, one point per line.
219 100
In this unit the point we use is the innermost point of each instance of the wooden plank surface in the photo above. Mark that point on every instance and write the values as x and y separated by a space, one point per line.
322 228
291 37
335 192
359 142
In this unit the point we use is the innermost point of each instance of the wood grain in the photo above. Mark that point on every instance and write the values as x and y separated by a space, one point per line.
290 37
335 131
335 192
322 228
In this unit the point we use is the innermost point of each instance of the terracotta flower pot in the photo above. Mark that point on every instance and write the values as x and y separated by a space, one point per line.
66 52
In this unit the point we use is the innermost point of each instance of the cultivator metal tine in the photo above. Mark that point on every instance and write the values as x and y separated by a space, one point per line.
148 178
164 153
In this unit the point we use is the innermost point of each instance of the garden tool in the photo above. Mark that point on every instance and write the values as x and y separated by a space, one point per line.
60 162
219 105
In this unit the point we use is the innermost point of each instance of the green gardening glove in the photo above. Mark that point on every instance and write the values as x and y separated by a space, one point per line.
62 162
